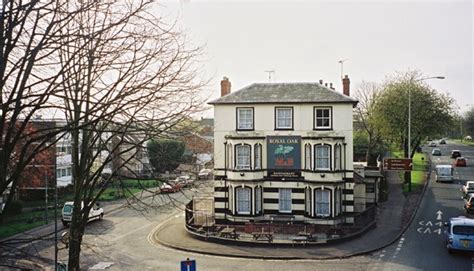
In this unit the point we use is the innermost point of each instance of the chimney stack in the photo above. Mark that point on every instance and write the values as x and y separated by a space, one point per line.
346 85
330 86
326 84
225 86
321 81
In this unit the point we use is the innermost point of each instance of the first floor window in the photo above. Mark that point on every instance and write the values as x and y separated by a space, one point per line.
337 157
307 157
242 153
258 156
322 157
322 200
243 200
284 201
258 200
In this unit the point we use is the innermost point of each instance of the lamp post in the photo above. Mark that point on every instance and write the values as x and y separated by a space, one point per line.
409 120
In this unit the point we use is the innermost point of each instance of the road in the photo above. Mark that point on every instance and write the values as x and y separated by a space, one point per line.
121 240
422 247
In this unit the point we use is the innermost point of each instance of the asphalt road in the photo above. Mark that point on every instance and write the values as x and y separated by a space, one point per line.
422 247
121 240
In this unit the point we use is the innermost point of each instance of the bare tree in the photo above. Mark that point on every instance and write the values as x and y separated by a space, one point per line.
128 77
29 31
368 93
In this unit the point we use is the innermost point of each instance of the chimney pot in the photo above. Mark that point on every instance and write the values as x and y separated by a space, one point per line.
346 85
326 84
225 86
330 86
320 81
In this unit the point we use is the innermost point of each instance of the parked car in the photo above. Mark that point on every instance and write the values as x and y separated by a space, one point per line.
436 152
460 234
442 141
184 180
204 174
455 153
467 189
460 162
170 188
468 138
66 214
432 144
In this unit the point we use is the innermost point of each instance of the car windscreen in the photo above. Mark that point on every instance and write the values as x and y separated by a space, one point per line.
67 208
463 230
444 171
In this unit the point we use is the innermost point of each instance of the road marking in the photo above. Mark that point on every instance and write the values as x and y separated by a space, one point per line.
427 230
421 223
429 224
440 223
439 213
438 231
101 266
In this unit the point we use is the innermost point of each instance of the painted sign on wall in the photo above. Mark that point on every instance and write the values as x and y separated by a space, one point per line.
284 156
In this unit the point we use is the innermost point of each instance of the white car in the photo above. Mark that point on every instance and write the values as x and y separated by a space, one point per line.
95 213
204 174
432 144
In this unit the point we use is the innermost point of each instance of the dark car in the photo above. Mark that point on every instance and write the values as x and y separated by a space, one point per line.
460 162
436 152
442 141
455 153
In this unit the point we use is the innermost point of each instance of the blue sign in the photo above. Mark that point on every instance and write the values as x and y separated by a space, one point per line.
284 156
188 265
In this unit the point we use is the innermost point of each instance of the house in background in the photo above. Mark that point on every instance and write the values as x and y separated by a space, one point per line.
284 150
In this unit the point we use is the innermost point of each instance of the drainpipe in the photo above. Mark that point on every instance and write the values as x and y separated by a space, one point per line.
226 193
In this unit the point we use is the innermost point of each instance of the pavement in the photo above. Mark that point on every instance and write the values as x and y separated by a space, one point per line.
390 226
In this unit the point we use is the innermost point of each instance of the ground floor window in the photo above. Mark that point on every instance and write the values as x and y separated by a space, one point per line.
284 202
322 202
242 196
258 200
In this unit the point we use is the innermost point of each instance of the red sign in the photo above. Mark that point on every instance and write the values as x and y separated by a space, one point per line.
397 164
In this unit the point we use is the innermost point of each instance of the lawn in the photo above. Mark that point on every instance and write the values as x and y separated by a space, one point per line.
418 173
18 223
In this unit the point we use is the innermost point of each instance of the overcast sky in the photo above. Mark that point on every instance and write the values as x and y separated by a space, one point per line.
303 41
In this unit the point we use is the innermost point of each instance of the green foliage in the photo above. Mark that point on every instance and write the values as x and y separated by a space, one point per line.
360 143
431 111
165 154
469 122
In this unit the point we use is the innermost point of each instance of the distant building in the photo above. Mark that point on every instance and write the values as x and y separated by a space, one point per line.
284 149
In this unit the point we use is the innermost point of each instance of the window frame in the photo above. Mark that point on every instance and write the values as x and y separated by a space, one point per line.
337 157
307 156
291 127
257 152
316 158
315 119
230 155
236 157
307 200
258 200
238 199
281 200
318 201
237 119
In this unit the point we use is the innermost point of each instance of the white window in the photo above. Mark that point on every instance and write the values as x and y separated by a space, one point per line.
243 157
284 118
337 201
258 200
258 156
243 200
284 202
308 200
322 118
322 157
229 156
244 118
322 200
307 156
337 157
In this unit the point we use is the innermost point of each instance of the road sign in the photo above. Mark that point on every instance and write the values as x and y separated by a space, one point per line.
188 265
397 164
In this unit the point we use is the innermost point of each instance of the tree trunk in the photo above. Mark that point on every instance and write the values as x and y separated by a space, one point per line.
75 240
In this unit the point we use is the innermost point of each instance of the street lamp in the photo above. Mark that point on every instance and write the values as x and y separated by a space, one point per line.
409 120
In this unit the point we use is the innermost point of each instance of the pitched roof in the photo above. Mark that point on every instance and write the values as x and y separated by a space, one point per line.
259 93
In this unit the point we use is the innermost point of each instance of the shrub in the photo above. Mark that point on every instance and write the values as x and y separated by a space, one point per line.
14 207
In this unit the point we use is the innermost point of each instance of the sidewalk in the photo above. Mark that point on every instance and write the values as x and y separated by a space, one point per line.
389 228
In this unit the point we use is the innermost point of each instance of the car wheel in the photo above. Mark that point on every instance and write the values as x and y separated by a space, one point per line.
101 216
65 223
